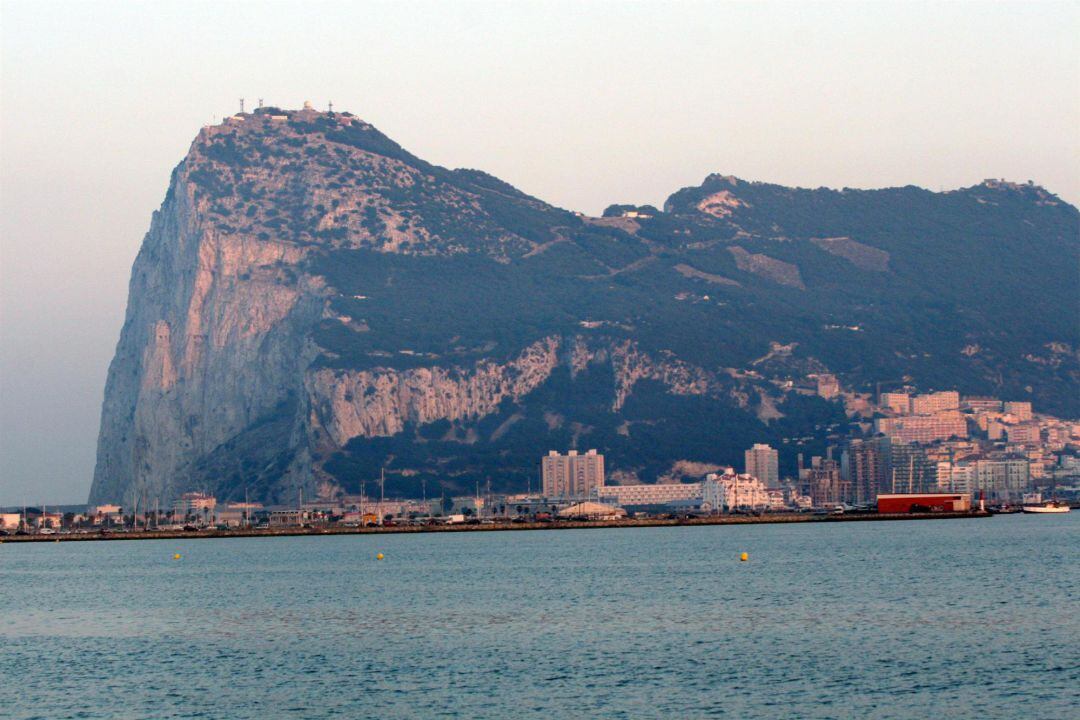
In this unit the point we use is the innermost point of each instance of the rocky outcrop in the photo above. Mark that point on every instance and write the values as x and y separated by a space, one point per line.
381 401
720 204
778 271
631 366
692 272
858 254
313 304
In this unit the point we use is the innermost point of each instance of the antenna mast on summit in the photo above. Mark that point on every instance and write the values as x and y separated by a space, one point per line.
241 106
260 103
331 106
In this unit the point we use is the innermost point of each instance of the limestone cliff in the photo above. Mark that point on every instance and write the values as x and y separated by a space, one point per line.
313 304
216 346
213 339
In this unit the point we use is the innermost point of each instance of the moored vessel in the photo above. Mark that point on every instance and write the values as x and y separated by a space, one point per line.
1051 506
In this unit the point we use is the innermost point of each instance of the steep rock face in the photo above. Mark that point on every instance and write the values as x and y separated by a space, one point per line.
382 401
313 304
630 366
212 340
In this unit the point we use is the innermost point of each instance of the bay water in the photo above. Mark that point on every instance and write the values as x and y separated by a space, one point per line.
975 618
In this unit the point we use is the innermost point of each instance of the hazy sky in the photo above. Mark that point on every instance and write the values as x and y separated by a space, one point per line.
582 104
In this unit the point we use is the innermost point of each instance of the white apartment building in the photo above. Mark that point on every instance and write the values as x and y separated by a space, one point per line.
738 491
660 494
713 494
956 478
999 478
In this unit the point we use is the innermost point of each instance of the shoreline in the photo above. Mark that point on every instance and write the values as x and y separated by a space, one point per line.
778 518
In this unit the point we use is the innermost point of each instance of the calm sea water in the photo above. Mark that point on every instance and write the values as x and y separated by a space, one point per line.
954 619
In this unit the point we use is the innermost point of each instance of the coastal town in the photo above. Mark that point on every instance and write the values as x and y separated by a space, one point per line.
921 453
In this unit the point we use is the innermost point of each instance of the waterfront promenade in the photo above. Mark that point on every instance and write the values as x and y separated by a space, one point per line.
772 518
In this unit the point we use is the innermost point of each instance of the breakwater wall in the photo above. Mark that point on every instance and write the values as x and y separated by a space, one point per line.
495 527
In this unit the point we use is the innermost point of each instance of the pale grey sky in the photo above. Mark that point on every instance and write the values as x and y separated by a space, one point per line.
582 104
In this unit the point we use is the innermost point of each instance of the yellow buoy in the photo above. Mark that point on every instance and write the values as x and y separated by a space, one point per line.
744 557
379 556
176 556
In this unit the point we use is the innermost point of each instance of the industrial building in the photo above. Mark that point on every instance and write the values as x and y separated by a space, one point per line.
923 502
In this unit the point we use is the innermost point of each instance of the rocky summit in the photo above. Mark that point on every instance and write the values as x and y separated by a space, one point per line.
313 304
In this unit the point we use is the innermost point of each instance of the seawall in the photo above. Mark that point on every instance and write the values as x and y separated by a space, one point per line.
496 527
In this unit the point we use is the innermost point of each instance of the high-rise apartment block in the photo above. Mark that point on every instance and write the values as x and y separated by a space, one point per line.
764 463
865 466
823 483
571 475
910 470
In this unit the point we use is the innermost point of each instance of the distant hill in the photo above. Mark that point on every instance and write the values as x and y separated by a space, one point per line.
313 303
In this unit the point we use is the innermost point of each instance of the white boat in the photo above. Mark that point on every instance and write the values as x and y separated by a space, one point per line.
1047 507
